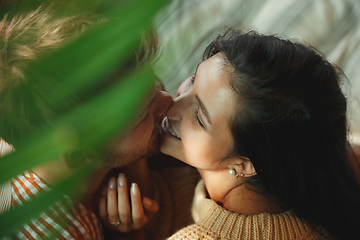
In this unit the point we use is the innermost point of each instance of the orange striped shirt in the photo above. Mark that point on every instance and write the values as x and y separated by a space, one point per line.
67 218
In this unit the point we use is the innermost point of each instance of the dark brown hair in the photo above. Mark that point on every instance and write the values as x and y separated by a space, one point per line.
292 126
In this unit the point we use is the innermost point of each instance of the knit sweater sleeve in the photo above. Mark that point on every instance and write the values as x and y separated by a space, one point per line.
174 191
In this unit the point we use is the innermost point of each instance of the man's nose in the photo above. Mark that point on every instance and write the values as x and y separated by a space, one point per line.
163 102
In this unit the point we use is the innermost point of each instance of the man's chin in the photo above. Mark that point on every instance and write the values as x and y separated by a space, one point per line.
127 157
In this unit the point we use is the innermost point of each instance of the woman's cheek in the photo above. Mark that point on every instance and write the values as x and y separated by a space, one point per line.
193 148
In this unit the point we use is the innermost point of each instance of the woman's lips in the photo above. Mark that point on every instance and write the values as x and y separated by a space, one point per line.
168 130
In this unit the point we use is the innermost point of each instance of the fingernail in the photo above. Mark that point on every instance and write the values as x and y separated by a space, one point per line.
104 191
147 202
134 189
121 179
112 183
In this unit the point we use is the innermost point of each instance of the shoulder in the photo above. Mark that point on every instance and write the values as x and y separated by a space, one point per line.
229 225
69 217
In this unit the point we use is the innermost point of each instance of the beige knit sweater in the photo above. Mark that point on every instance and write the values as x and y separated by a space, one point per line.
215 222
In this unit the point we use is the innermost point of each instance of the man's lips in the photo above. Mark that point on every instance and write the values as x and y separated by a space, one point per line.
167 129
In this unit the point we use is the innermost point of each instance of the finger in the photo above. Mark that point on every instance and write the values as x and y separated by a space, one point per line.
112 208
138 216
102 205
150 206
123 201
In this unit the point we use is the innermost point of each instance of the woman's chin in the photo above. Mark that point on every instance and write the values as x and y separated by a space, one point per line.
165 150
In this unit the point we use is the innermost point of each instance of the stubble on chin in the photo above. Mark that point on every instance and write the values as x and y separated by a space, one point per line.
123 152
126 156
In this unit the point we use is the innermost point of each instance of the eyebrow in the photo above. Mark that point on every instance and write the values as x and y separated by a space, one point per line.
203 108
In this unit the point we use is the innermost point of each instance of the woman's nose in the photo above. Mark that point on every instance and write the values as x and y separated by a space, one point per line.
163 101
184 87
179 107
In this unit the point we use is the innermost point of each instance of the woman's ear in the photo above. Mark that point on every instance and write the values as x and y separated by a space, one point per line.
243 168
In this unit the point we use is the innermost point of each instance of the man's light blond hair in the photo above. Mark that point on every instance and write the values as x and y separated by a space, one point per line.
26 37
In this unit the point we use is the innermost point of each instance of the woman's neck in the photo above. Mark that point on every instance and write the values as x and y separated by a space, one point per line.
238 196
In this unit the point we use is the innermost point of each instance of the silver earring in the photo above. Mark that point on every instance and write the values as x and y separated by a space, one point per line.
241 175
232 172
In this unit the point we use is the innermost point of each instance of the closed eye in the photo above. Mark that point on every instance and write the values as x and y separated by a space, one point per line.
198 120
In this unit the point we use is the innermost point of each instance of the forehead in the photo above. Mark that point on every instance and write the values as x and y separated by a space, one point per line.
214 89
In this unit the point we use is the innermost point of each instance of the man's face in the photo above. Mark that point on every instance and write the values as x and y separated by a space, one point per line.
142 139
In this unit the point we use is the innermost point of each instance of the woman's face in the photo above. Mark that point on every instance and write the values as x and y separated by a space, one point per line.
196 127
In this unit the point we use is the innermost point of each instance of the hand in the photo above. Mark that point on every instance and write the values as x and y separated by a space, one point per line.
115 210
139 173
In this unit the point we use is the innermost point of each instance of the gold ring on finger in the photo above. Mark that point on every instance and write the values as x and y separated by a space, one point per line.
114 223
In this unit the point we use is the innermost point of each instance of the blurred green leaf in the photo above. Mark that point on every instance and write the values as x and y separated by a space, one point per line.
90 57
82 63
95 122
101 125
68 6
80 72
